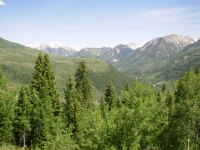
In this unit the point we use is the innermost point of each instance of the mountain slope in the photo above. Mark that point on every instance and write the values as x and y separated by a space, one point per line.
57 49
152 54
166 46
116 54
91 52
18 62
134 46
172 69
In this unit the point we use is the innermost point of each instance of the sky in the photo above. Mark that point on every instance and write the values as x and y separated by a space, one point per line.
96 23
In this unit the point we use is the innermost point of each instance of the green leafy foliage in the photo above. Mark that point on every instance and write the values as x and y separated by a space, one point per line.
186 116
138 119
7 103
15 59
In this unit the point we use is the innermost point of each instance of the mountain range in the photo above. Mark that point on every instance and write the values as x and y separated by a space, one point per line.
157 49
162 59
173 68
58 49
117 53
91 52
17 62
105 53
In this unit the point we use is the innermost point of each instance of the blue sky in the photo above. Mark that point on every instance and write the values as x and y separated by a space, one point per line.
96 23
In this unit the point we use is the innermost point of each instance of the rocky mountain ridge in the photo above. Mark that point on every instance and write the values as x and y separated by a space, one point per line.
134 46
118 53
158 48
58 49
143 61
166 46
91 52
151 69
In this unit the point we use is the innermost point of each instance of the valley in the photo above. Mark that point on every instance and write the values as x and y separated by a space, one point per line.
99 75
17 62
155 62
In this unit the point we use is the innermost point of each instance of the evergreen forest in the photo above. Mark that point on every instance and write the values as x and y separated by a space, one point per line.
33 117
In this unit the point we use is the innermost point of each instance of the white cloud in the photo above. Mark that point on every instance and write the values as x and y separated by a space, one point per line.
2 3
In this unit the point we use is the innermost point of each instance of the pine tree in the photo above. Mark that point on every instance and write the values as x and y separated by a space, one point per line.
164 88
126 89
7 103
38 79
3 80
197 70
83 84
103 108
35 118
43 82
110 96
22 117
42 132
70 97
72 109
51 85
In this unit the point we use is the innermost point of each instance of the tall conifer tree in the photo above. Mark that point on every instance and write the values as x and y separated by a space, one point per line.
38 79
3 80
7 103
70 97
36 120
110 96
51 85
22 117
72 109
83 84
43 82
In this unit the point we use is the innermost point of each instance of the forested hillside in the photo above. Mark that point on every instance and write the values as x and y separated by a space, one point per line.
17 62
148 65
34 118
173 68
99 75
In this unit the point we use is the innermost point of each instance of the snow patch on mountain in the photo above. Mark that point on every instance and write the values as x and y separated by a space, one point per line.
115 60
196 39
134 45
163 47
57 48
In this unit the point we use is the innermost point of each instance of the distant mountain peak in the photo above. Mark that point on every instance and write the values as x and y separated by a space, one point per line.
57 48
56 45
166 46
134 45
91 52
196 39
116 54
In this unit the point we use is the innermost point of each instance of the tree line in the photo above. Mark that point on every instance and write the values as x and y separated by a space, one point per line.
33 117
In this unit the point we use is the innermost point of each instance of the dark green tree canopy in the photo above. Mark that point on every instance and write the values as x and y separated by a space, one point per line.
23 110
3 80
110 96
43 81
83 84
